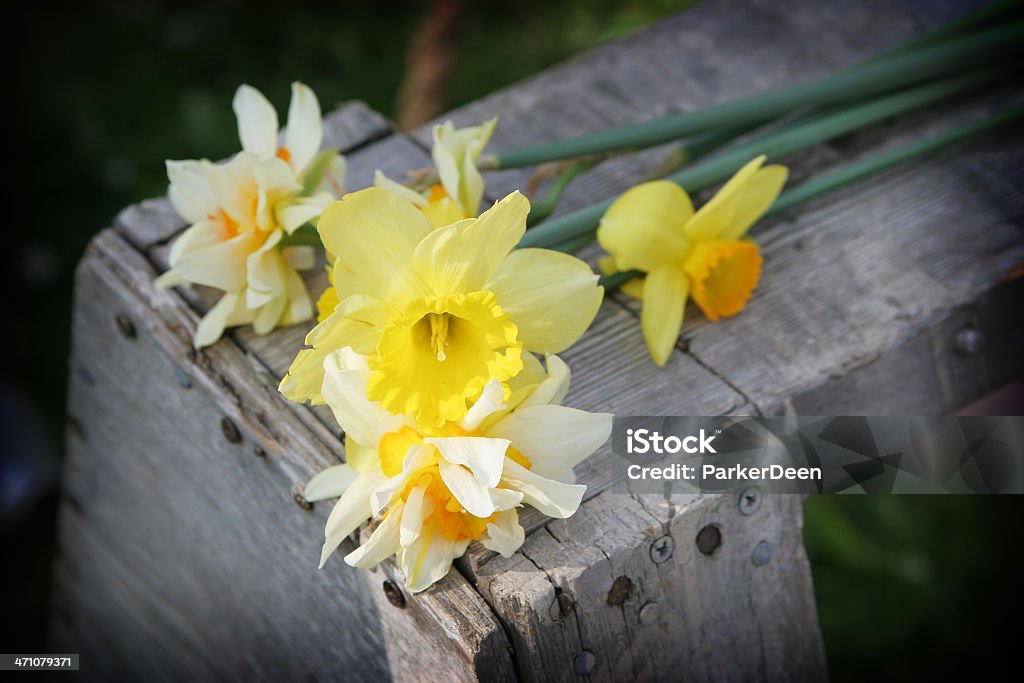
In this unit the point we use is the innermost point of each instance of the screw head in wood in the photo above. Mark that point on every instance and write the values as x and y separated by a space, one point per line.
762 553
649 613
662 549
969 341
584 663
125 326
394 594
300 499
708 539
259 452
230 431
750 500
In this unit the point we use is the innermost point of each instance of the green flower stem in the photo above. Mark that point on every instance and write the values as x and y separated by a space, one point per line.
863 169
542 209
774 145
305 236
863 80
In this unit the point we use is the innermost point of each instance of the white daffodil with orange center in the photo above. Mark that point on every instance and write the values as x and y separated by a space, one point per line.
436 490
440 312
460 189
685 254
240 211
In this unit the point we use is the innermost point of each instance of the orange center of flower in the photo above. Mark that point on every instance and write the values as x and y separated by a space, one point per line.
448 516
723 274
284 154
230 224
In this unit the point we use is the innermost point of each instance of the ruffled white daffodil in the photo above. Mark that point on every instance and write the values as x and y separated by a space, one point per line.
440 312
436 490
685 254
239 212
461 187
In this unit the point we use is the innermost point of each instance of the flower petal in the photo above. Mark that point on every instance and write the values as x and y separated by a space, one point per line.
329 483
554 387
428 559
462 257
407 193
643 228
742 200
227 312
483 456
351 510
553 498
344 390
207 254
759 193
382 543
190 190
417 507
552 297
305 133
661 317
505 535
373 235
359 457
257 121
490 401
554 438
467 489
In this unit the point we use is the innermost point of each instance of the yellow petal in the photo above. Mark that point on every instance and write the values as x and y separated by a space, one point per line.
723 274
662 315
373 234
461 258
759 193
643 228
552 297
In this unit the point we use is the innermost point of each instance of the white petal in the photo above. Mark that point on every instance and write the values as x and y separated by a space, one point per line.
351 510
554 438
257 121
190 191
329 483
504 535
382 543
305 132
344 391
553 498
554 387
418 457
490 401
334 179
416 509
229 311
294 213
467 489
428 560
505 499
483 456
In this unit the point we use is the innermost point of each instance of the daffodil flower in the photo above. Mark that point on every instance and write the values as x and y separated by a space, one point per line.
685 254
461 187
239 211
436 490
440 312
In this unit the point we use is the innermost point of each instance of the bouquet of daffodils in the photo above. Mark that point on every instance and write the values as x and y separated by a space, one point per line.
435 342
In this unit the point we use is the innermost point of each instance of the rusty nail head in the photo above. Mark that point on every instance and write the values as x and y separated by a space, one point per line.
259 452
620 590
394 594
125 326
762 553
708 539
750 500
649 613
969 341
565 603
300 499
662 549
230 431
584 662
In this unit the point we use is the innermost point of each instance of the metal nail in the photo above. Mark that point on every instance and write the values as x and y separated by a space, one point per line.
649 613
969 341
259 452
184 380
125 326
230 431
394 594
708 539
762 553
300 499
584 663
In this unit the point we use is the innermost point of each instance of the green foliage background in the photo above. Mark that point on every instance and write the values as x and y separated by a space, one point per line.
104 93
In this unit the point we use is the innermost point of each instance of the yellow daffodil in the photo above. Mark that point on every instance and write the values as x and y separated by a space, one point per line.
239 211
701 255
436 490
460 189
440 312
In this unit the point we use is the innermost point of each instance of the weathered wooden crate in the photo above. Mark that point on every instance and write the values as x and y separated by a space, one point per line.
186 550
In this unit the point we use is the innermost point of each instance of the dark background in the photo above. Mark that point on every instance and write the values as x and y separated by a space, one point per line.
98 96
